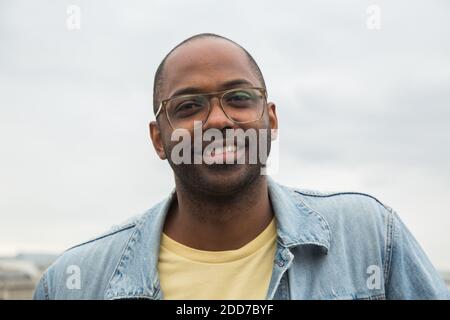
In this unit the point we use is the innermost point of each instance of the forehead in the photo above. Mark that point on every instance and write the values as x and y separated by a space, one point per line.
206 64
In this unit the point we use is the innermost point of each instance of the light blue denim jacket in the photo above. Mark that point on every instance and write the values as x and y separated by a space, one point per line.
330 246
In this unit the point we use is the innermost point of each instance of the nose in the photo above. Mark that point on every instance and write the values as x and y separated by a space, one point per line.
217 117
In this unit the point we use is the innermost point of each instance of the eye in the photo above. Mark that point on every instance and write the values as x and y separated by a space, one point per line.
188 108
239 96
241 99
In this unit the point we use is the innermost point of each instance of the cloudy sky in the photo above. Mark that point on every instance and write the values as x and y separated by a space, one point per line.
360 109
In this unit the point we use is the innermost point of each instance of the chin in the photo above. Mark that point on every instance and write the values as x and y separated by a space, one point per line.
218 179
227 181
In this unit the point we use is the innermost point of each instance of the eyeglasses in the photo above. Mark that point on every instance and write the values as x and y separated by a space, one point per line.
241 105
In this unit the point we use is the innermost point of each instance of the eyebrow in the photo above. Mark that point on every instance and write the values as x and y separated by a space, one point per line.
226 85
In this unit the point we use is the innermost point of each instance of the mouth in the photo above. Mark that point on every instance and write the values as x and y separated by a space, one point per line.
224 155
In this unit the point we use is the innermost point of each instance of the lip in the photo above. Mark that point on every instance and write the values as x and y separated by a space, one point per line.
222 156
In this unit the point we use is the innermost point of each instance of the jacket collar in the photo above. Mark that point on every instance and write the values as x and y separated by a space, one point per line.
297 223
136 275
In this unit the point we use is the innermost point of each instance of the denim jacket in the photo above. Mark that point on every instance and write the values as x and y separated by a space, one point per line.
342 245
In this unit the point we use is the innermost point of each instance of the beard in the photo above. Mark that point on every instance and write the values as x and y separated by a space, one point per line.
219 180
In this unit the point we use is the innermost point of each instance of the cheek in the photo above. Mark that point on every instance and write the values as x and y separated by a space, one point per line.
165 136
263 123
168 142
171 138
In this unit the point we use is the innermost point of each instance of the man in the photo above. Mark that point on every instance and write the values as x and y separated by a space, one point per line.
229 232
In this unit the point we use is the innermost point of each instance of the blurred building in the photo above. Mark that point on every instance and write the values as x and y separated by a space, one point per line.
19 274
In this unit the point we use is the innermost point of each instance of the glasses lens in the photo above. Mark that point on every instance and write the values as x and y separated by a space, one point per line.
240 105
183 111
243 105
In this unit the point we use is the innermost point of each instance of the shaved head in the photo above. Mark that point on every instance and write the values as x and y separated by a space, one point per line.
158 84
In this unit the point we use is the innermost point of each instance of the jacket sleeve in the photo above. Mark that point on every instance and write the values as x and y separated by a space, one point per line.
411 274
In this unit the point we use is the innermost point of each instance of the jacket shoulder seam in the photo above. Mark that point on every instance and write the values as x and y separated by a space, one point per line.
390 229
45 287
105 235
334 194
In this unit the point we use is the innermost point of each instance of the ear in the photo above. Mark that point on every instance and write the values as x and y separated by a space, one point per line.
155 136
273 120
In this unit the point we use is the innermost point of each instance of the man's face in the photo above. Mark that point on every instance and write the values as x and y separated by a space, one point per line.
210 65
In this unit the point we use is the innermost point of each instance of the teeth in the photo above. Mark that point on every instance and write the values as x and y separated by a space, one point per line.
220 150
231 148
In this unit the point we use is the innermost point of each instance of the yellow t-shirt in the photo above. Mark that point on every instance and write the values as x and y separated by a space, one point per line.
187 273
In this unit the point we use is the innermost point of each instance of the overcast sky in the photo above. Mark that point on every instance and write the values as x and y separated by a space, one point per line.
359 109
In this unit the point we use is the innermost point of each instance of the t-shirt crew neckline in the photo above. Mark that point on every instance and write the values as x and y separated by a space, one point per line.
203 256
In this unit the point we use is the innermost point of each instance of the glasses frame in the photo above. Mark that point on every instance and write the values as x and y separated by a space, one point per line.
219 95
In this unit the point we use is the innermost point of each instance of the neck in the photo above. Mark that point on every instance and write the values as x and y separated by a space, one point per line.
218 223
